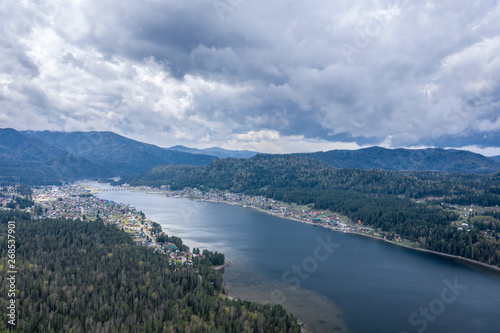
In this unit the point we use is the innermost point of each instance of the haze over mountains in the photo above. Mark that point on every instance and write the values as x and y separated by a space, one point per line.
49 157
216 151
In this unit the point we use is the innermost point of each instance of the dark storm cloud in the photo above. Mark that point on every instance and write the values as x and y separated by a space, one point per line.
168 30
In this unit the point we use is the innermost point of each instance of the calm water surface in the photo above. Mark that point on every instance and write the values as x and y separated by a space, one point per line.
355 284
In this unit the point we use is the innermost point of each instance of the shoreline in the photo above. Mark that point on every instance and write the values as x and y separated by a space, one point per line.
485 266
463 260
232 296
227 291
221 267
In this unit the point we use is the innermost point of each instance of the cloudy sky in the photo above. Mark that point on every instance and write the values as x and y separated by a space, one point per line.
280 76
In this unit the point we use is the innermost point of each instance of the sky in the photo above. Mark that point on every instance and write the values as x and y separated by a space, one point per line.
281 76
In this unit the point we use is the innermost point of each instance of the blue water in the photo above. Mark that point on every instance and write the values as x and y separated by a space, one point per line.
355 284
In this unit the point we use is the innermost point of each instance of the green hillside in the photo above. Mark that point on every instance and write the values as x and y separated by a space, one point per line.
26 159
122 155
431 159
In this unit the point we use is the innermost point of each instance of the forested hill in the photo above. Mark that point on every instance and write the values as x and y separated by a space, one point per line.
263 173
76 276
122 155
382 199
46 157
236 175
431 159
26 159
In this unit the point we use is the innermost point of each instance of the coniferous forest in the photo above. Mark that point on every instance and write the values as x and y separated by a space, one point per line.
76 276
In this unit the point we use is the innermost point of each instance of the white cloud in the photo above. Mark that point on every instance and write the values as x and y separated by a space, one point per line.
486 151
268 141
260 135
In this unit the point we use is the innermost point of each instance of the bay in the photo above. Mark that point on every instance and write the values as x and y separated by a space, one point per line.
334 282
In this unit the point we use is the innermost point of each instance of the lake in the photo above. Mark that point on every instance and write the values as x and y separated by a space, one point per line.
333 281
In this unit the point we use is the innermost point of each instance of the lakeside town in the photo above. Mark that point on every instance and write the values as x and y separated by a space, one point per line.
78 201
274 207
307 213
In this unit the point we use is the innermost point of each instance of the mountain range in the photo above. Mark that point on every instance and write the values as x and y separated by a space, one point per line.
430 159
27 159
41 157
49 157
120 154
216 151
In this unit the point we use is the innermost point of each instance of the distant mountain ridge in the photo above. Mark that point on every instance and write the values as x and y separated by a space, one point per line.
50 157
496 158
19 147
122 155
27 159
216 151
430 159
